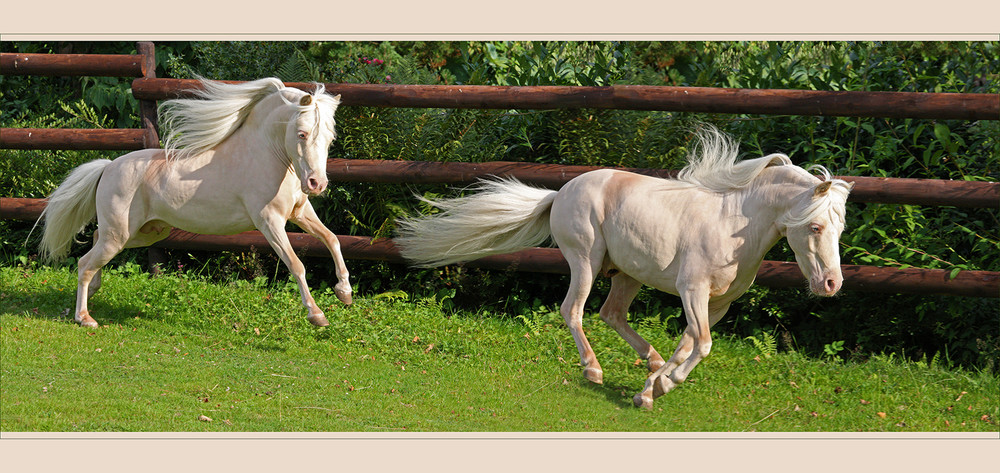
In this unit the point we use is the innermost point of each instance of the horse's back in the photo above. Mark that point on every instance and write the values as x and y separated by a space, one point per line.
646 225
131 168
606 192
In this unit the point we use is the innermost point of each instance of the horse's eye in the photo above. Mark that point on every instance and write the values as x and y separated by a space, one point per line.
815 228
302 135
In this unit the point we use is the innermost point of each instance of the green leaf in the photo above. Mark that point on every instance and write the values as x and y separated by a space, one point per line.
943 133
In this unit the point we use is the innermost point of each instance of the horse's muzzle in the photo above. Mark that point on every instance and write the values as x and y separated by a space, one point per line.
827 285
313 186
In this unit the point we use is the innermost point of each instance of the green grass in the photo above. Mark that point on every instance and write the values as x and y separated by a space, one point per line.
174 348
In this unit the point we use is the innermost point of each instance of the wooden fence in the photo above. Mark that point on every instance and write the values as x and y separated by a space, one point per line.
149 89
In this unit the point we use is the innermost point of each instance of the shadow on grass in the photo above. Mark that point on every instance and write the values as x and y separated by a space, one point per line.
617 394
54 304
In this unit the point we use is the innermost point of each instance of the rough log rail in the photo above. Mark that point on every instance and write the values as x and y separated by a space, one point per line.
70 138
124 65
866 189
641 97
550 260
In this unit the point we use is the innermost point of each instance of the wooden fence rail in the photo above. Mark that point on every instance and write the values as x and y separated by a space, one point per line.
114 65
641 97
550 260
122 65
866 189
68 138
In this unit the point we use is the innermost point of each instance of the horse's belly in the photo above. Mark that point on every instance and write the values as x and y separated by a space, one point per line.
199 210
656 269
214 224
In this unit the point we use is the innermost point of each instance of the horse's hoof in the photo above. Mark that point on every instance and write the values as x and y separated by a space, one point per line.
318 320
86 321
594 375
344 297
642 401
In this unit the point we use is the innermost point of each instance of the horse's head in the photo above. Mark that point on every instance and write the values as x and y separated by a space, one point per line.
813 227
308 136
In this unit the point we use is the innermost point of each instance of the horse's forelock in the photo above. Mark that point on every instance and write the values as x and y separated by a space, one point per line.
322 104
834 201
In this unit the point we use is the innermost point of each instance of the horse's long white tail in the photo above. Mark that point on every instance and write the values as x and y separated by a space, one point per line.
69 209
502 216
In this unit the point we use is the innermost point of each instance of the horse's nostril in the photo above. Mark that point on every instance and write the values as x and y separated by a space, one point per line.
313 183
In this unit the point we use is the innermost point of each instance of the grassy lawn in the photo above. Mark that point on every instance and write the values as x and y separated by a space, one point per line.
179 354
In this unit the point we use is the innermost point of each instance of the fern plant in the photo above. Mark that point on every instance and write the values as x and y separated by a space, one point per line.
767 345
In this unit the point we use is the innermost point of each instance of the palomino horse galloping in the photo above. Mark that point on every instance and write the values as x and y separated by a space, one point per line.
238 157
701 236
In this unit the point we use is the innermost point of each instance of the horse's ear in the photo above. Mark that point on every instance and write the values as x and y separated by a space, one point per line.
822 188
306 100
776 160
850 186
337 98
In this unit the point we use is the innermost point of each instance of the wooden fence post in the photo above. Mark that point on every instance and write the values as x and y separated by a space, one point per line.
151 137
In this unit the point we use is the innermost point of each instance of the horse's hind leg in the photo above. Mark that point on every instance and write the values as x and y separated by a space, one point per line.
106 246
581 281
583 270
95 283
614 312
308 221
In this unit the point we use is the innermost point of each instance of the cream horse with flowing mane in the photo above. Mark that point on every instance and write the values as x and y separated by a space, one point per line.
235 158
701 236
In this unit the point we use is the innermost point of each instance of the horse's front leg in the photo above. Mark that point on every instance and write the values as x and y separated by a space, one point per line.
273 230
310 222
695 345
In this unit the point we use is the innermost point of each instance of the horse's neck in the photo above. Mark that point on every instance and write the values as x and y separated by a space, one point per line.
765 200
260 138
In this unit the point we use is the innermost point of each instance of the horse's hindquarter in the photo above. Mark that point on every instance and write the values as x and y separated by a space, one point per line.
123 200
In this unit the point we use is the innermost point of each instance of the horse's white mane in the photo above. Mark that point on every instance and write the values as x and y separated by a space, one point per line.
713 162
198 124
713 165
